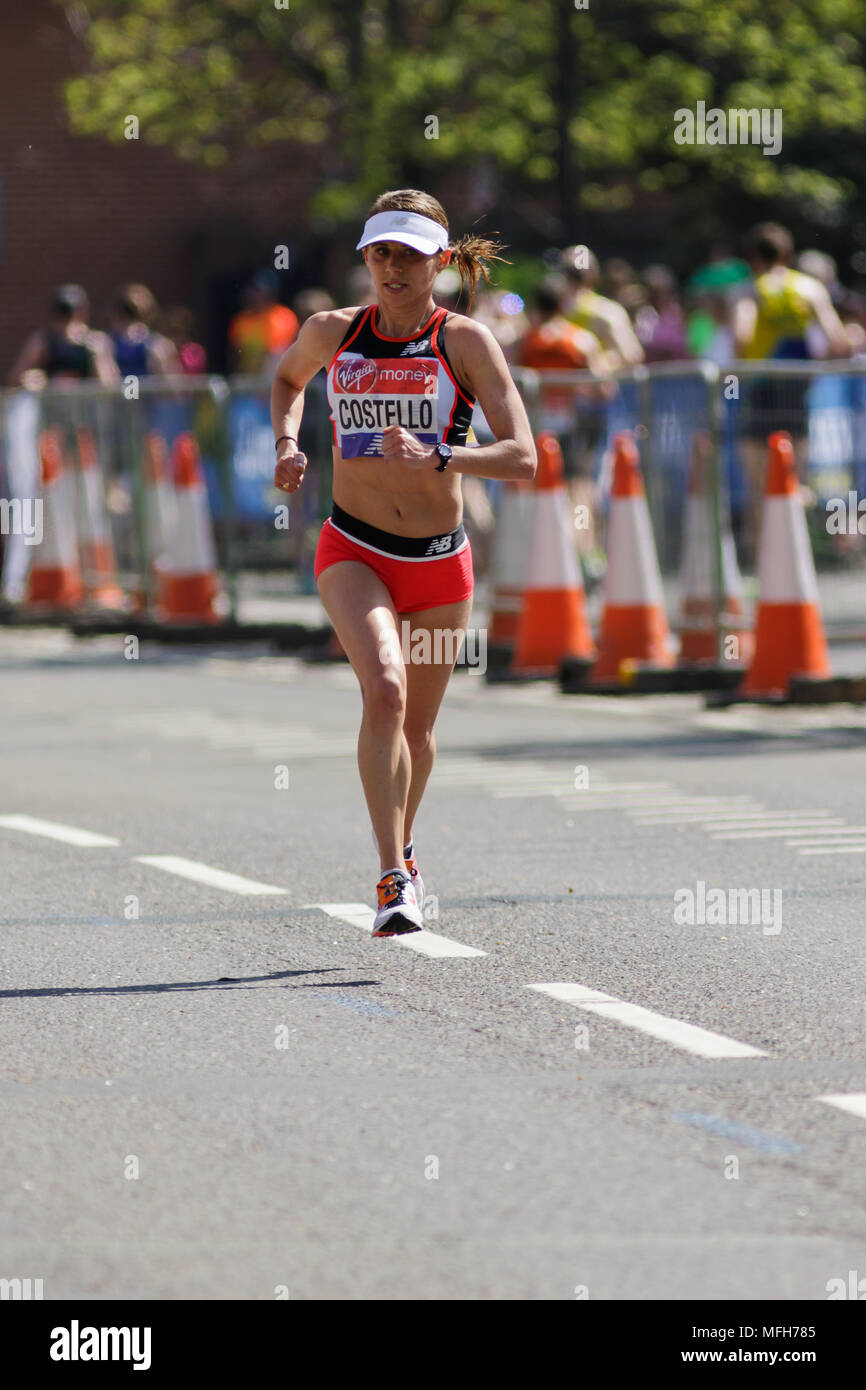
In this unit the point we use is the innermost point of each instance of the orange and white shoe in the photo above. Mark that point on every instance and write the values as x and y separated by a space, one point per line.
411 869
417 880
398 911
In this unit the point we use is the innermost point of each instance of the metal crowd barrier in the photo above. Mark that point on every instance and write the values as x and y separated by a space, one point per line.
666 406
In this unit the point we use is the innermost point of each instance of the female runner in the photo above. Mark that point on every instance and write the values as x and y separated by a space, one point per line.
393 558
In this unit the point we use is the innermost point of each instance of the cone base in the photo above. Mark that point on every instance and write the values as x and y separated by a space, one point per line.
58 587
188 598
701 647
789 641
632 632
552 625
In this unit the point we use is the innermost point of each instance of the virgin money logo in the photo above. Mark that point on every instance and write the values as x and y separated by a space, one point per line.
357 374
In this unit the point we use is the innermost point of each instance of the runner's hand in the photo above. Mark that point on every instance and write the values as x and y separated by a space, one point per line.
290 469
399 446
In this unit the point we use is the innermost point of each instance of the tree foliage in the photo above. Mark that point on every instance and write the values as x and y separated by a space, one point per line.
355 81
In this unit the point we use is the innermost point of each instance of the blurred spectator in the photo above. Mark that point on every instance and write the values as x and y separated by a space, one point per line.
660 325
312 301
603 317
359 286
771 321
710 332
822 268
554 344
67 349
621 281
138 350
179 327
576 414
502 311
264 328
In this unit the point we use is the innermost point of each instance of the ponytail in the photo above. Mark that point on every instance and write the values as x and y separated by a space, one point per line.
471 255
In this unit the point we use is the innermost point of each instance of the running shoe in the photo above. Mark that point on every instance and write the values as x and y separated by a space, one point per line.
417 880
398 907
413 872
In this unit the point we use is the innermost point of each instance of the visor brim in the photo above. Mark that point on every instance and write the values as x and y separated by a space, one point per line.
425 245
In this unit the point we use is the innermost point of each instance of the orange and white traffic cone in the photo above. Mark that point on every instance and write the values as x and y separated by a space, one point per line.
553 624
510 550
699 573
160 511
189 584
54 581
95 545
789 629
634 625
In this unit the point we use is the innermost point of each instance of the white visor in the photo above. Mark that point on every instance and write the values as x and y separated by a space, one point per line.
411 228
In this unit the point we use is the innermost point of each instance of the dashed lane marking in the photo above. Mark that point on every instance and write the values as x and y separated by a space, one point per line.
854 1104
203 873
775 830
52 830
671 1030
838 849
427 943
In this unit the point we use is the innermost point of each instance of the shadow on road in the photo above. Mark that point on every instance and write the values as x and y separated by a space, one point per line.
181 985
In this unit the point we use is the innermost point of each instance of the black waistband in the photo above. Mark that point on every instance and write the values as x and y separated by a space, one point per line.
411 547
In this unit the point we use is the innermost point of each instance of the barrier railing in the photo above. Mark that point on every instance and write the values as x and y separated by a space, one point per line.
676 411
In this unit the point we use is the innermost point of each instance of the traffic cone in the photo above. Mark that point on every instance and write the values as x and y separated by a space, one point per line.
634 625
95 545
699 575
188 584
54 580
508 559
552 625
160 509
789 629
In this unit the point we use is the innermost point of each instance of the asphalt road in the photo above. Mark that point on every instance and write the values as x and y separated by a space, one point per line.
220 1094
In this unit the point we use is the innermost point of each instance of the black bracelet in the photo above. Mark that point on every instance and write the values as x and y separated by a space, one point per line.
278 442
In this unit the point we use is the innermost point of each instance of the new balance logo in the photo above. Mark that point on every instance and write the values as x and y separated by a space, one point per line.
437 546
412 348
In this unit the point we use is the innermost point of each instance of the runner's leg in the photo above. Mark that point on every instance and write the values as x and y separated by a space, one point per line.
364 618
425 686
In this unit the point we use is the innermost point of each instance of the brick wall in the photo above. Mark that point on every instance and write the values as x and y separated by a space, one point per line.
81 209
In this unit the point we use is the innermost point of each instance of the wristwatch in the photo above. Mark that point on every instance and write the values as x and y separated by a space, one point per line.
444 451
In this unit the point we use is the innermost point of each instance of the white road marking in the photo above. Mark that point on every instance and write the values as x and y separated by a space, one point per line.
618 801
698 812
855 1104
736 819
847 849
684 1035
203 873
426 942
846 834
603 791
31 825
774 831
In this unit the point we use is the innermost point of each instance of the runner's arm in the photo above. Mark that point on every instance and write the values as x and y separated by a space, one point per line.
297 366
483 366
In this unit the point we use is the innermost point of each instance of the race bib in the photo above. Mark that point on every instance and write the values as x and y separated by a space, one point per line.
372 393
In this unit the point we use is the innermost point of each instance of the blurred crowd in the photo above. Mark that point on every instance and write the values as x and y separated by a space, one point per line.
581 313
